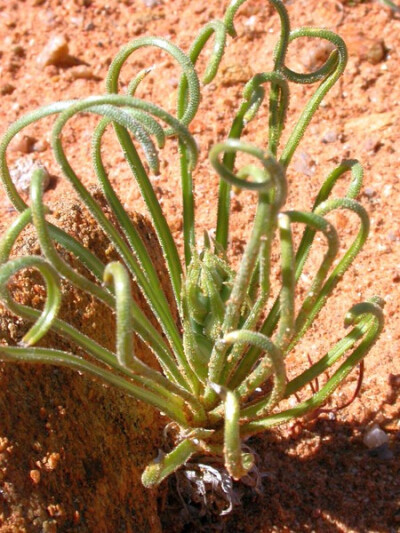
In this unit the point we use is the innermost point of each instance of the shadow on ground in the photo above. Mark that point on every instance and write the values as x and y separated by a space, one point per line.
321 479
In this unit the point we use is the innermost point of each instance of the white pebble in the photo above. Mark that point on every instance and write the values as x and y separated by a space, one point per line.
375 437
21 173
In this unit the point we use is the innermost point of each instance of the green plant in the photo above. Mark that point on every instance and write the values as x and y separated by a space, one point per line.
224 350
390 4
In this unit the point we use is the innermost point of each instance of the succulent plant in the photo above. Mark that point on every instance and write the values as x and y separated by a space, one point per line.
222 374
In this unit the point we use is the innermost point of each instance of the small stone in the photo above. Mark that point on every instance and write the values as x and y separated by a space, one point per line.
81 72
329 136
38 2
234 74
40 146
151 3
387 190
21 173
90 26
376 52
76 518
304 164
35 476
384 249
396 277
53 461
49 526
6 88
18 51
369 192
55 510
372 144
56 52
375 437
236 204
23 143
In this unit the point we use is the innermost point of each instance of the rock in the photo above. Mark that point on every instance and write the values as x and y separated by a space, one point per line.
78 448
151 3
369 192
23 143
18 51
233 74
375 437
81 72
376 52
21 173
56 52
361 45
40 146
6 88
329 136
304 164
372 144
396 276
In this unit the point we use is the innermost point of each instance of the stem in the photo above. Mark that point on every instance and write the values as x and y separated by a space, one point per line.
166 464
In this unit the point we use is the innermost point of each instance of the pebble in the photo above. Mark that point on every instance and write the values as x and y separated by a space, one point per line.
49 526
81 72
23 143
304 164
22 171
56 52
18 51
6 88
369 192
396 277
375 437
362 46
151 3
372 144
376 52
329 136
35 476
40 146
387 190
234 73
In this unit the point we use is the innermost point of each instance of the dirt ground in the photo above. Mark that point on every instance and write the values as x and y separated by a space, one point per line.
319 476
